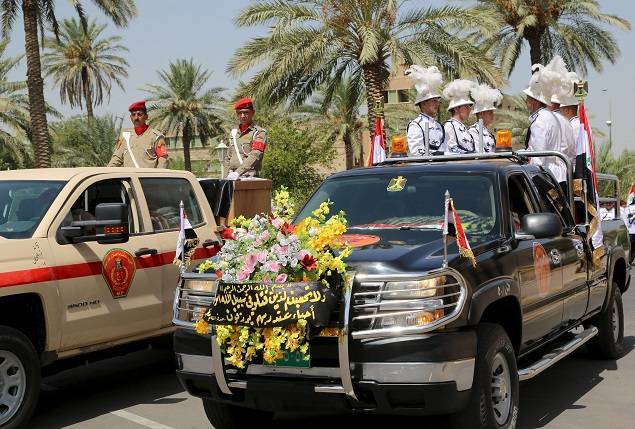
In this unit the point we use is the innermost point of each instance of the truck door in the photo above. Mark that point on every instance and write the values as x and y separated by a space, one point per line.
107 293
571 248
539 272
162 196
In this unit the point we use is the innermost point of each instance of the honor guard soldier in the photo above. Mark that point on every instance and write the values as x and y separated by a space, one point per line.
141 146
564 92
247 143
425 130
457 137
569 109
485 99
543 133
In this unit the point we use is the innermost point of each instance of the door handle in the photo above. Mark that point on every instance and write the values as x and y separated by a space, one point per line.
145 251
210 242
579 248
555 256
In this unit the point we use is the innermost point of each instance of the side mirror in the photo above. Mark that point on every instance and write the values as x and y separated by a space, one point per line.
110 226
542 225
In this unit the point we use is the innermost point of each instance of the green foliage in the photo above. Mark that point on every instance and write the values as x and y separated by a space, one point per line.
77 143
294 151
181 104
575 30
84 64
623 166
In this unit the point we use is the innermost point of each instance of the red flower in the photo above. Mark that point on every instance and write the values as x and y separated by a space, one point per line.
309 262
219 274
287 228
228 234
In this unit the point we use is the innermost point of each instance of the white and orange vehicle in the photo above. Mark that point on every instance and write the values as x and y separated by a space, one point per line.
86 267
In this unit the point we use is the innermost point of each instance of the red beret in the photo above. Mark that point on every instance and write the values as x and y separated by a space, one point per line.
139 105
244 103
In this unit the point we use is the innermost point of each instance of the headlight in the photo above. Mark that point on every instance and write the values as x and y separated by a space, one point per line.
413 289
194 297
429 311
197 285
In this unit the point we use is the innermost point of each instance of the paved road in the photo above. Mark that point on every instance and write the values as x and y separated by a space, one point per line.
141 391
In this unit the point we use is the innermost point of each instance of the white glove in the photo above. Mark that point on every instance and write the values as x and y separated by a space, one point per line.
232 176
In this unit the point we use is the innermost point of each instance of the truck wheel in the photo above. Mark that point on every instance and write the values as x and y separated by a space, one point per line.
494 397
225 416
609 341
19 379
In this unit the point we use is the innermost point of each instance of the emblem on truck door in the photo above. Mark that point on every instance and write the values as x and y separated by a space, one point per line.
118 270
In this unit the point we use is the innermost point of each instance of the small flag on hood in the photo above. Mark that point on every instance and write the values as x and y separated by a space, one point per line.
452 227
631 195
378 145
187 241
585 174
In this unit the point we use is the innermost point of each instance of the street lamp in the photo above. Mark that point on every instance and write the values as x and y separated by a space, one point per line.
221 151
608 124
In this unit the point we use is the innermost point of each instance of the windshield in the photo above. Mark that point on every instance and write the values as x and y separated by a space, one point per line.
22 205
411 201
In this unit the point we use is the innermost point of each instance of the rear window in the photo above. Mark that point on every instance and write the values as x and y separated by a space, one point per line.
23 204
163 196
411 201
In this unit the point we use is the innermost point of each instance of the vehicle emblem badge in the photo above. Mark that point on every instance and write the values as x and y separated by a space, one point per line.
396 184
118 269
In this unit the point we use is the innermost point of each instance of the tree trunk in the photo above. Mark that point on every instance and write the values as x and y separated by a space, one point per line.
348 150
88 97
186 145
35 83
535 50
374 98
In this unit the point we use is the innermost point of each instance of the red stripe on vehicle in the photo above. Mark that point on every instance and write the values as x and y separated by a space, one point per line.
86 269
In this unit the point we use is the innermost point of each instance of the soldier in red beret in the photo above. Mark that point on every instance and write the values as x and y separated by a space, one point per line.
247 143
141 146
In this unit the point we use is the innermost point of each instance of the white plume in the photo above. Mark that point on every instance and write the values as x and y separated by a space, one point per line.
458 89
552 77
485 94
425 79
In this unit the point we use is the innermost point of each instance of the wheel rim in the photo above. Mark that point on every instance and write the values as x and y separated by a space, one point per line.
12 385
501 389
615 319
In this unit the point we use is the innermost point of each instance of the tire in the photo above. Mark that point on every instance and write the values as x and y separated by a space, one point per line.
19 379
609 341
225 416
495 393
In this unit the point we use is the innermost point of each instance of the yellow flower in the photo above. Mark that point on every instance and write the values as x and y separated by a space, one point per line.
201 326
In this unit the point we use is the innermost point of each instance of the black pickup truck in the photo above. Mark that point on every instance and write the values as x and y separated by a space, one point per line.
420 336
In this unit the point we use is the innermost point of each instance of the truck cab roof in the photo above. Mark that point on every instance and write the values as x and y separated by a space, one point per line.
66 174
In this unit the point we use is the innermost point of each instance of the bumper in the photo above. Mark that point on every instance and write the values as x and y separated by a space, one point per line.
410 375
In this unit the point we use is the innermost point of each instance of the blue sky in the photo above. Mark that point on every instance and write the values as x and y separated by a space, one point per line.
203 29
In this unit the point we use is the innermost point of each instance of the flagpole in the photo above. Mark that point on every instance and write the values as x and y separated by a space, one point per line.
445 230
182 213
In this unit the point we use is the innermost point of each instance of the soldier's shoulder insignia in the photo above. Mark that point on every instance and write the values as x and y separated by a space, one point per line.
160 149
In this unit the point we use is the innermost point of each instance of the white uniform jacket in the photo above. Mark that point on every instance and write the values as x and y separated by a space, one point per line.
630 221
575 126
568 139
416 135
489 141
457 138
544 135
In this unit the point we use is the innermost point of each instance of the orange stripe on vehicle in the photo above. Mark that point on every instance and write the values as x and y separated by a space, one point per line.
86 269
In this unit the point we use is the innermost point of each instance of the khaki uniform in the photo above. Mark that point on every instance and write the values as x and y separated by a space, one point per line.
144 148
251 146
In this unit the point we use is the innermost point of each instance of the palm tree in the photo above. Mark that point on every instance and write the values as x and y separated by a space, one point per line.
83 64
574 29
180 102
14 112
34 14
312 43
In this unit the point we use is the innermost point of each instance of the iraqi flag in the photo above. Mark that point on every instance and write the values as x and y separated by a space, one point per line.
631 195
186 242
378 145
453 227
585 178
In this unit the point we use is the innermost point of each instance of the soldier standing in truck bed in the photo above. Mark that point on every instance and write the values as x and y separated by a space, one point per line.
246 143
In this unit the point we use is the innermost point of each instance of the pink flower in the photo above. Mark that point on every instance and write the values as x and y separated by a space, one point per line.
302 254
273 266
243 275
281 278
261 256
277 222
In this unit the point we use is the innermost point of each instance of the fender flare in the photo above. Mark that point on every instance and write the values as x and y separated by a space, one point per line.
614 255
489 293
